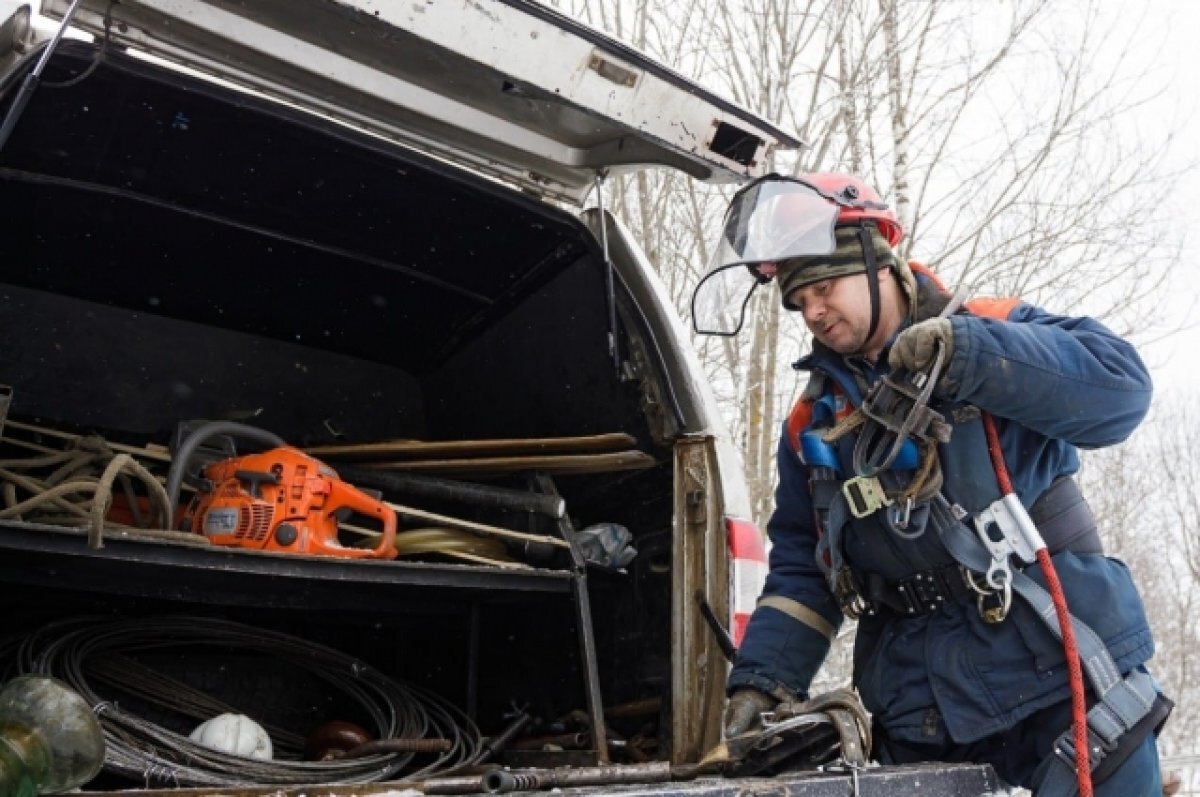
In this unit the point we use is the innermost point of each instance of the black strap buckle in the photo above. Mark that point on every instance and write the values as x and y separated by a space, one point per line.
922 593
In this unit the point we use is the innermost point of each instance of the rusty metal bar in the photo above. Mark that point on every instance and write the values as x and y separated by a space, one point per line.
587 639
398 745
503 781
501 741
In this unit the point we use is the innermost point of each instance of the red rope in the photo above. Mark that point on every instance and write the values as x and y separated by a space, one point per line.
1074 671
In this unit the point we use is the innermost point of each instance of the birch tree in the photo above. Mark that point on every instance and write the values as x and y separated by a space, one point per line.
1008 190
1006 137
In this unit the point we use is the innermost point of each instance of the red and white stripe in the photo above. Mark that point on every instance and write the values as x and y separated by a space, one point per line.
748 571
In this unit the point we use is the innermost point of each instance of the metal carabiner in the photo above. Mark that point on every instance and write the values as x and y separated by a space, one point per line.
1001 593
994 615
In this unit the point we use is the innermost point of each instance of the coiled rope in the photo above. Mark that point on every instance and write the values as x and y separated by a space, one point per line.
72 494
78 650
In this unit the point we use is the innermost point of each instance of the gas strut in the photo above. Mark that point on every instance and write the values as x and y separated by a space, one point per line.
30 84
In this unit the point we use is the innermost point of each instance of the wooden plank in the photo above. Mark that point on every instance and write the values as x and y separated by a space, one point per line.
447 449
554 464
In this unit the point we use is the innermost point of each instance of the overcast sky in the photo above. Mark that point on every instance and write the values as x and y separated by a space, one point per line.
1172 46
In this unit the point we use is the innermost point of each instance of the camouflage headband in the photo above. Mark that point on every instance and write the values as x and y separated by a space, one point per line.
845 260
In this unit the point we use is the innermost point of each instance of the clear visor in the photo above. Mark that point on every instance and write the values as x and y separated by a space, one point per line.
719 301
769 221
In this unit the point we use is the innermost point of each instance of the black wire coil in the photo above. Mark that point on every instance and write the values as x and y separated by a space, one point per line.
142 750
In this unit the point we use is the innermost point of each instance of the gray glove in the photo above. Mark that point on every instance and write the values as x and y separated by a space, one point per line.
916 347
744 710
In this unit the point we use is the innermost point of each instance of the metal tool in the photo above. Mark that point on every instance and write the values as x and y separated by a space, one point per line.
280 500
897 408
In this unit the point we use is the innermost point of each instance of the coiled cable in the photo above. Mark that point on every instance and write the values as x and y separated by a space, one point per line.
141 750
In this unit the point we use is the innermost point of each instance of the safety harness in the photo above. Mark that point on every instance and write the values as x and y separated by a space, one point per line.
1126 709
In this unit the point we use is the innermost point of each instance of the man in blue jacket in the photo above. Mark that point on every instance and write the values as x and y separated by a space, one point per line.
953 656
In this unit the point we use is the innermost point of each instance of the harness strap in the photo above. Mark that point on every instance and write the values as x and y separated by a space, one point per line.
1123 703
1056 774
962 544
1061 514
1065 520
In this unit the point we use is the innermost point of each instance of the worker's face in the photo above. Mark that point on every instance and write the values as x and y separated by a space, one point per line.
837 311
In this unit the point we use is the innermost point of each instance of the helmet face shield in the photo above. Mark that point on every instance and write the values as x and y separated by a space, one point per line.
774 220
719 301
771 220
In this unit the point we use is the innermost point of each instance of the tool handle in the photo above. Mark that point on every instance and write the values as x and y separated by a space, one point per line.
348 496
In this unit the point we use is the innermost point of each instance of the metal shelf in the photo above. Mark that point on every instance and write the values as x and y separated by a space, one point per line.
52 556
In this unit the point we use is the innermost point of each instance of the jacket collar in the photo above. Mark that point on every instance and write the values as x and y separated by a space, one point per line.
854 374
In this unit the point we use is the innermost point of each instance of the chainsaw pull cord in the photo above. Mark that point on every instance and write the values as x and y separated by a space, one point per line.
1083 770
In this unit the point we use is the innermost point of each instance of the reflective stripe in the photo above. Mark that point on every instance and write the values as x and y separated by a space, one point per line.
748 578
748 572
800 613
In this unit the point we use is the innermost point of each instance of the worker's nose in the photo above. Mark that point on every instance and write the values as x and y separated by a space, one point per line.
814 310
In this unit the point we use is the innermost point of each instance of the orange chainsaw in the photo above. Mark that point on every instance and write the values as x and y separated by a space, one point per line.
279 500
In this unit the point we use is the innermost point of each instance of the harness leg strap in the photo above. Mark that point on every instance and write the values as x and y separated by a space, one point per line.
1056 774
1124 707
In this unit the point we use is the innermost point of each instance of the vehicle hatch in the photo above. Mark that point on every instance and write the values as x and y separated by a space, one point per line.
506 87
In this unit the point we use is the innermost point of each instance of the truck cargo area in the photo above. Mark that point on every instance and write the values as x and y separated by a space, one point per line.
174 251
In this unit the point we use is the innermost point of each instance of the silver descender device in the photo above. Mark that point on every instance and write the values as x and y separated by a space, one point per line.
1006 530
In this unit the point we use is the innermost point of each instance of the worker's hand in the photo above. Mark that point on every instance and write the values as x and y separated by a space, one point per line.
916 347
744 710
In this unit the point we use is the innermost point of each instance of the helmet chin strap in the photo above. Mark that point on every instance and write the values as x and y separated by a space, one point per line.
868 247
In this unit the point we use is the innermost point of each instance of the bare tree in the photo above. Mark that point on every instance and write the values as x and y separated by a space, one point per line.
1001 134
1146 496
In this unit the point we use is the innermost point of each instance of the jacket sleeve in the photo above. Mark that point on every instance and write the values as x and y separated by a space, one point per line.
796 618
1068 378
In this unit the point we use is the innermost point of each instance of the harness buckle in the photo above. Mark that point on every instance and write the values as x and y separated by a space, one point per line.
864 495
921 593
1064 749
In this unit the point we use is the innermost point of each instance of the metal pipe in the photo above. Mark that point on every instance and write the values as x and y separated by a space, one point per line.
502 740
462 784
583 612
433 487
567 741
504 781
398 745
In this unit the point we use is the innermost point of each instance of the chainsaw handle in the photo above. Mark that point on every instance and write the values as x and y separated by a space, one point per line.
348 496
181 458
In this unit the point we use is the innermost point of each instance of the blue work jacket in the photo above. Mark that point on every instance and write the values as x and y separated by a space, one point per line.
1053 384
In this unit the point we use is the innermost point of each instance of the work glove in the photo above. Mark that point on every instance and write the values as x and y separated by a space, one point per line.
916 347
744 710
